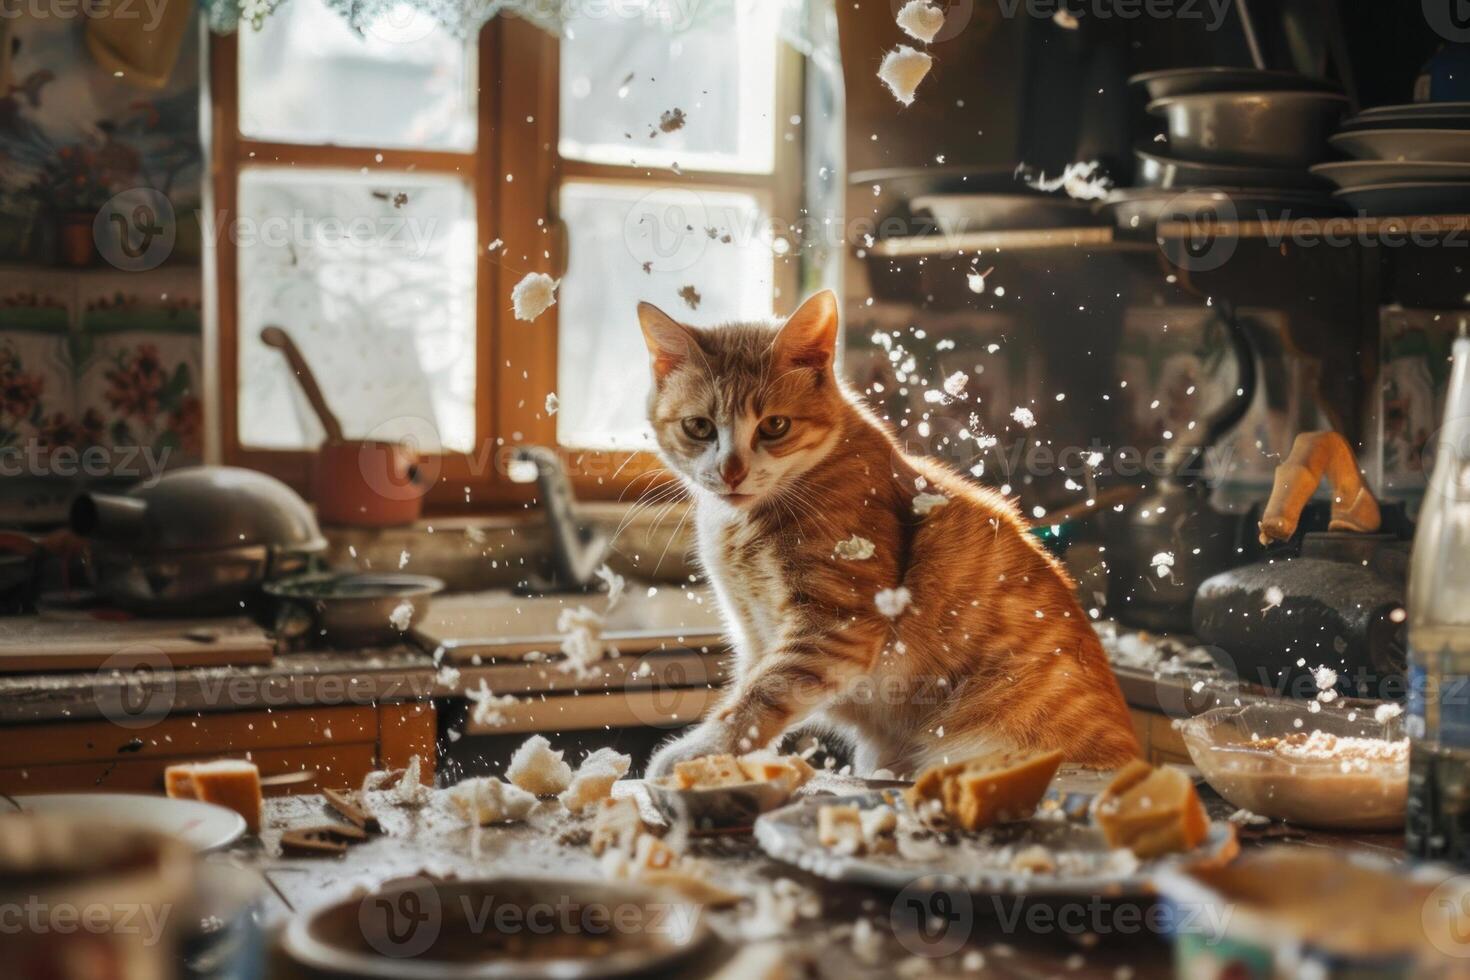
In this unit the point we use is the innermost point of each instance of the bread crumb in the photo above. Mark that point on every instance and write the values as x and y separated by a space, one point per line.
892 602
594 779
486 800
533 295
411 791
537 769
855 548
902 70
921 20
924 503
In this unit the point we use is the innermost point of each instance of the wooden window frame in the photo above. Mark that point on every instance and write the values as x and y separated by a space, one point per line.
517 118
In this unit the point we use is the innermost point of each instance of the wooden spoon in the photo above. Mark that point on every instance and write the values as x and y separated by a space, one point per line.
279 339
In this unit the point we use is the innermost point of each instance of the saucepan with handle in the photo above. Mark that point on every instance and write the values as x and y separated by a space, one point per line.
364 482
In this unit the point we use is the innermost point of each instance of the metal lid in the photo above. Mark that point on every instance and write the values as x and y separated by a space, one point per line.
202 508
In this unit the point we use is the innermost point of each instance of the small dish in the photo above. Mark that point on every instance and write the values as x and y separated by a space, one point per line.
1408 199
353 609
1306 787
1353 174
528 928
718 807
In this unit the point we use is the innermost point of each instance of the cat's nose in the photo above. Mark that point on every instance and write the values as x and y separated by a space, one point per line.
732 472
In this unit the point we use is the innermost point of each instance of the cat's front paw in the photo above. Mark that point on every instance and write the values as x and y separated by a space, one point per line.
708 739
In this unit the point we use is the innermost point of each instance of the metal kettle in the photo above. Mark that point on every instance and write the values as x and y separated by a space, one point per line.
1175 518
1335 599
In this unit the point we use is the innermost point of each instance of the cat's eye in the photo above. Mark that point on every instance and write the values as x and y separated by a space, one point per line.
774 426
697 427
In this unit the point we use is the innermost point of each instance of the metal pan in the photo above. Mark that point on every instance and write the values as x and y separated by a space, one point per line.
1166 172
1194 81
1264 129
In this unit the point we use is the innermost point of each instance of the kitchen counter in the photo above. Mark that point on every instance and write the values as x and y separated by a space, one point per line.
317 678
1099 940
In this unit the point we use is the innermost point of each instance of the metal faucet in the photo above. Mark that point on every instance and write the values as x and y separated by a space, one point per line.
577 547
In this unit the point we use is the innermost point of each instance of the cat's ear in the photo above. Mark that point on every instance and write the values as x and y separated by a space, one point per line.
809 338
669 342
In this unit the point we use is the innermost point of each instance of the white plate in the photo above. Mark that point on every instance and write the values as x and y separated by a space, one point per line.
1419 109
203 826
1407 200
1361 173
1446 145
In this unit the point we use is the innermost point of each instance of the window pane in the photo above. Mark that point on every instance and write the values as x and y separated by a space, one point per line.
714 61
373 277
672 247
306 77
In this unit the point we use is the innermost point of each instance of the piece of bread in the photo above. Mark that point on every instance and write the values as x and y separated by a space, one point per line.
1151 811
538 769
789 771
230 783
487 800
980 793
616 825
709 772
594 780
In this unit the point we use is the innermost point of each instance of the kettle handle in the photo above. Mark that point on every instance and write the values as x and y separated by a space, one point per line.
1313 456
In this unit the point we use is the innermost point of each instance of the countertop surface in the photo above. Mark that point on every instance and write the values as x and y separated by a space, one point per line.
1156 675
1103 941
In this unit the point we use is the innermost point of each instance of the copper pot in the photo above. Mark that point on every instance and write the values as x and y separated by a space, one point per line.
369 482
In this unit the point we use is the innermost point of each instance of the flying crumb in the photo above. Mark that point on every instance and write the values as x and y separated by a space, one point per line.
1081 181
552 403
921 20
902 70
401 616
1024 417
1386 713
1065 19
672 120
648 268
892 602
954 385
926 502
533 295
691 296
494 245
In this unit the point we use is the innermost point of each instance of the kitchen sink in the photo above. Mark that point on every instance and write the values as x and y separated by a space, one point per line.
503 625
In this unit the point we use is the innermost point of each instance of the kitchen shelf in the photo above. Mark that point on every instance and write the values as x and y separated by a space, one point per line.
1108 238
995 241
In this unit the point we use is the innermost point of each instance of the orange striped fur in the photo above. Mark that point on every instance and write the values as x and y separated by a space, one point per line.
993 651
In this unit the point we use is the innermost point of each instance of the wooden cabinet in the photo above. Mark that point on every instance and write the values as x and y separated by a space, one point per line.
340 744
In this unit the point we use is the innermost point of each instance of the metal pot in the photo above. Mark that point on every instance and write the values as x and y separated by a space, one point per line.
195 540
353 610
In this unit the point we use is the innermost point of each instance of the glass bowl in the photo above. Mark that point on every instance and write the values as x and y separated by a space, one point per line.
1255 758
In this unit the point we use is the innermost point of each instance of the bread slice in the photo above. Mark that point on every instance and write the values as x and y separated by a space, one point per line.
789 771
980 793
1151 811
709 772
230 783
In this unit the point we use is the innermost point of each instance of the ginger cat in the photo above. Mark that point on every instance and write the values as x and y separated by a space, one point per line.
987 650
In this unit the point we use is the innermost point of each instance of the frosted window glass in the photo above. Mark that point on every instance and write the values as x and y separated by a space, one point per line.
615 231
373 277
307 77
624 65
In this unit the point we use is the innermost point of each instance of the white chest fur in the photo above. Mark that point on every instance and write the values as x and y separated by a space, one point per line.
746 577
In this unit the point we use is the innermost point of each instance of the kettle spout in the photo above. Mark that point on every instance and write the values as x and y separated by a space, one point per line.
109 516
